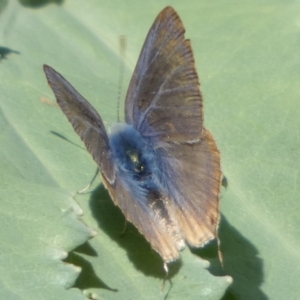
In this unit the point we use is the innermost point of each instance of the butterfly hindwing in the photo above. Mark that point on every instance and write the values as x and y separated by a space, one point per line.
151 216
194 187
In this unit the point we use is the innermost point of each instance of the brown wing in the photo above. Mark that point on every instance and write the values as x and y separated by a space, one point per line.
152 216
163 99
197 184
84 119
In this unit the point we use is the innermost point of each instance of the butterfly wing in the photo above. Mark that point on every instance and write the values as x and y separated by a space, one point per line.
89 126
85 121
164 104
150 214
194 187
163 98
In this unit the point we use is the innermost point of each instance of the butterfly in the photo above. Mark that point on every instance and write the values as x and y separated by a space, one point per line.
161 167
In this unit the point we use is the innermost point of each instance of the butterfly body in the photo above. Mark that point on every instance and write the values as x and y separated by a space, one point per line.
161 167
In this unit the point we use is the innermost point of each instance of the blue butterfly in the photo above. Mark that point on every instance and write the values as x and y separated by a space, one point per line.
161 167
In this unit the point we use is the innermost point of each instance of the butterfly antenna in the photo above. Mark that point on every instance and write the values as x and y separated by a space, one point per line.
122 41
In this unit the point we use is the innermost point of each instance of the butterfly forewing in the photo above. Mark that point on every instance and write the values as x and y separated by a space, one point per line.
163 99
84 119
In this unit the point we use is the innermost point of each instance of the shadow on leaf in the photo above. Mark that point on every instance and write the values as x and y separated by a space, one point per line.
241 262
87 277
39 3
4 52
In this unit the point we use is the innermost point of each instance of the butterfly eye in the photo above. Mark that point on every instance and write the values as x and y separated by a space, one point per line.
136 161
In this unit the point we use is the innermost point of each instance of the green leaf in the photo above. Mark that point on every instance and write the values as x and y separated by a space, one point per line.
248 60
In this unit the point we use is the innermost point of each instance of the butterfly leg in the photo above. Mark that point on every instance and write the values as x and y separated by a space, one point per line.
124 228
89 185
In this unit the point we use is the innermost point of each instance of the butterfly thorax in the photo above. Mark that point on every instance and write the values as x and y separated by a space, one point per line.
134 155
